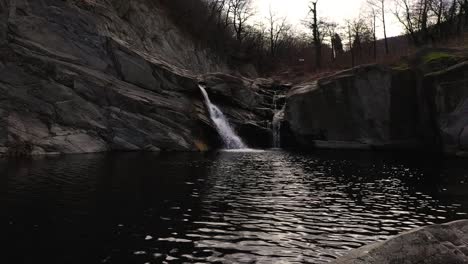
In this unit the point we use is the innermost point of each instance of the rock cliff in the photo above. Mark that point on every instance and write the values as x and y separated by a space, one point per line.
447 93
379 107
82 76
367 106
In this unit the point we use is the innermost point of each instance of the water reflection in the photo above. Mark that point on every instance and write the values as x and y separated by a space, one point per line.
226 207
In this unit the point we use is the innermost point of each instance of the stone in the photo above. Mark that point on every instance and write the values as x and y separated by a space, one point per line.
446 243
371 105
447 93
77 78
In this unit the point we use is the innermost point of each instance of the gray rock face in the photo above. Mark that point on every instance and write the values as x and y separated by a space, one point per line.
368 106
448 104
447 243
93 76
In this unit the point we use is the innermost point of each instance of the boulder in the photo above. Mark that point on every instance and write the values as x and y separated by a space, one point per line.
446 243
447 96
369 106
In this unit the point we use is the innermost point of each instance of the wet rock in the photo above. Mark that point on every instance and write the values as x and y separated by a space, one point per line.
233 90
247 103
447 243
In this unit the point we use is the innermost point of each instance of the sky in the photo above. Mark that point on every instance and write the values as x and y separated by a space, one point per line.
334 10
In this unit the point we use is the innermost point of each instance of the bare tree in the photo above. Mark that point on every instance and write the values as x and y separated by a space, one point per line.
372 18
404 12
216 8
337 45
277 27
241 11
316 34
349 33
362 35
423 8
450 16
380 9
463 12
327 30
416 17
438 8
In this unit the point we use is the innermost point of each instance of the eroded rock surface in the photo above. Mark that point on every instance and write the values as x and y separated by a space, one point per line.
93 76
447 243
368 106
448 102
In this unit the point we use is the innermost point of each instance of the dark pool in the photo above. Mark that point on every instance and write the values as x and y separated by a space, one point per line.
226 207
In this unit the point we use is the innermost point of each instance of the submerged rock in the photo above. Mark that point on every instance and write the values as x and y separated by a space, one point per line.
447 243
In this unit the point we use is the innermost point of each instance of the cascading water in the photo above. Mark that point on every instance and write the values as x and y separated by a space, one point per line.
230 138
276 123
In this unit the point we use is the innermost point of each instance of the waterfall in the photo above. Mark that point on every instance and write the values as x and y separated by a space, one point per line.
230 138
276 124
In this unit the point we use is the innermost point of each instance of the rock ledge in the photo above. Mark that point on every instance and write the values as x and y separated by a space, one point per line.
446 243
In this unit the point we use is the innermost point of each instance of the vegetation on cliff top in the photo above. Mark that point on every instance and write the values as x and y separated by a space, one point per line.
226 26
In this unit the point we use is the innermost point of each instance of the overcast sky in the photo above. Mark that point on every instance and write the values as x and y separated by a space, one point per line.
334 10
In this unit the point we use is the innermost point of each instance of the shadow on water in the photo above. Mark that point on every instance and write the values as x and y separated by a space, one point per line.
225 207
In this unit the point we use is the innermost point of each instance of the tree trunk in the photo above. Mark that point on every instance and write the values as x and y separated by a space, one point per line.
465 10
317 44
332 51
387 51
375 38
351 48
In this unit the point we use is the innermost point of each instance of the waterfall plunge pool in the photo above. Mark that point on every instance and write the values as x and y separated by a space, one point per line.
223 207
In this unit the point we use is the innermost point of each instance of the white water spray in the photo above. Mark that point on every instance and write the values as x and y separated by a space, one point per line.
230 138
276 124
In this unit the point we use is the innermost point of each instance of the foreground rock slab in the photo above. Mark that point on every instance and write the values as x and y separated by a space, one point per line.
446 243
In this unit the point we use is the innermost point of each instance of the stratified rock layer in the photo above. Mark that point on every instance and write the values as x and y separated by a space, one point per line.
447 243
72 82
94 76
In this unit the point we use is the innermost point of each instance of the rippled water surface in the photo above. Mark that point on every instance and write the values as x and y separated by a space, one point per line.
226 207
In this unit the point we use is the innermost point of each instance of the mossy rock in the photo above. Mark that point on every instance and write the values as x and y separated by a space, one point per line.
439 60
437 56
436 61
401 66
